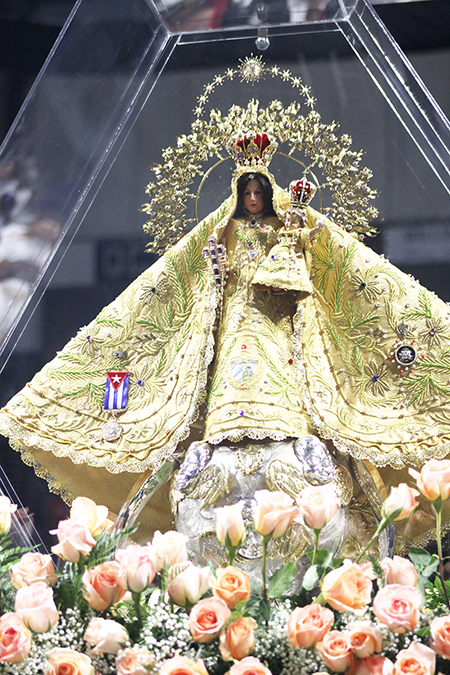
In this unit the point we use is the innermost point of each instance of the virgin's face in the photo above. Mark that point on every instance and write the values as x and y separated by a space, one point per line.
253 197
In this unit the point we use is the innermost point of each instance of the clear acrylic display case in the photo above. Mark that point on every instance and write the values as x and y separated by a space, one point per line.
121 84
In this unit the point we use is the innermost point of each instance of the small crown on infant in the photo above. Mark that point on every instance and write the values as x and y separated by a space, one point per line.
301 192
252 149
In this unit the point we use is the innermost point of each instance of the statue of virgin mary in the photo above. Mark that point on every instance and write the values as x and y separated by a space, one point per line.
338 374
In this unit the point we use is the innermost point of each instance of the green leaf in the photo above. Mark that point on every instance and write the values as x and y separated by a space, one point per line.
265 609
431 568
324 557
419 556
311 578
281 580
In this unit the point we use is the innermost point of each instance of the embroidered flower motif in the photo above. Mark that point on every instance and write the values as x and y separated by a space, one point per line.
143 383
90 340
435 333
367 284
376 378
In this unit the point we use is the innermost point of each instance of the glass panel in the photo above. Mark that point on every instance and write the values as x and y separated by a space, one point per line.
120 87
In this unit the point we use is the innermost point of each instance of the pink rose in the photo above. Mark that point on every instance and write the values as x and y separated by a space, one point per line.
398 570
86 512
181 665
104 585
139 564
365 639
230 524
307 625
416 660
374 665
239 639
232 585
105 636
249 666
74 540
440 636
318 505
170 548
275 511
6 509
347 588
134 661
33 567
65 661
189 585
207 618
402 498
15 639
434 479
336 651
36 606
398 607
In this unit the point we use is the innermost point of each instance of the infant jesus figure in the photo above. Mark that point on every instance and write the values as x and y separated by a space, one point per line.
288 264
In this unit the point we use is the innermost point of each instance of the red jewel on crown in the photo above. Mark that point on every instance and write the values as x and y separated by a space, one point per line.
252 149
301 192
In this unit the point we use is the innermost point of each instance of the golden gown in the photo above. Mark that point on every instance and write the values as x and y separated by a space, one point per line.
325 365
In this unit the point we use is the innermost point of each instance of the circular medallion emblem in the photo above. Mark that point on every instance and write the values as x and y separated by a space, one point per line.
405 355
111 431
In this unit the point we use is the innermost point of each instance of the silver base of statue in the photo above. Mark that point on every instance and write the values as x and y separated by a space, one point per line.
215 476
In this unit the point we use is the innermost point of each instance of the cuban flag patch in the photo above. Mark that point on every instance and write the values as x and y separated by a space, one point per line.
116 390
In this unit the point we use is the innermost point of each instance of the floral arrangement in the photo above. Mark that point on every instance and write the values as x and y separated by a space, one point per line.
148 609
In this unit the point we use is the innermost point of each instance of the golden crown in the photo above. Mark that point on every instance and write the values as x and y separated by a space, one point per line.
301 192
252 149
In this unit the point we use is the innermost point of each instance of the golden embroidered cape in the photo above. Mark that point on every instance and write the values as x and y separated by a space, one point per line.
344 342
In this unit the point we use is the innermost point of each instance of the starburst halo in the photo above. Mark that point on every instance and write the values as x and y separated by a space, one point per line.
251 69
303 133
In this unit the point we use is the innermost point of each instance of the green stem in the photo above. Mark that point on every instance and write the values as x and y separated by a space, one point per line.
265 541
383 524
137 606
437 508
316 546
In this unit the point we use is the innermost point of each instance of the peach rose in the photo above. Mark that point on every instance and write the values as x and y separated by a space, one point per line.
65 661
336 651
74 540
207 618
230 524
365 639
6 509
232 585
104 585
374 665
318 505
139 565
134 661
418 659
239 639
189 585
347 588
181 665
170 548
398 607
440 636
434 479
402 498
15 639
86 512
105 636
33 567
274 512
398 570
249 666
307 625
36 606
